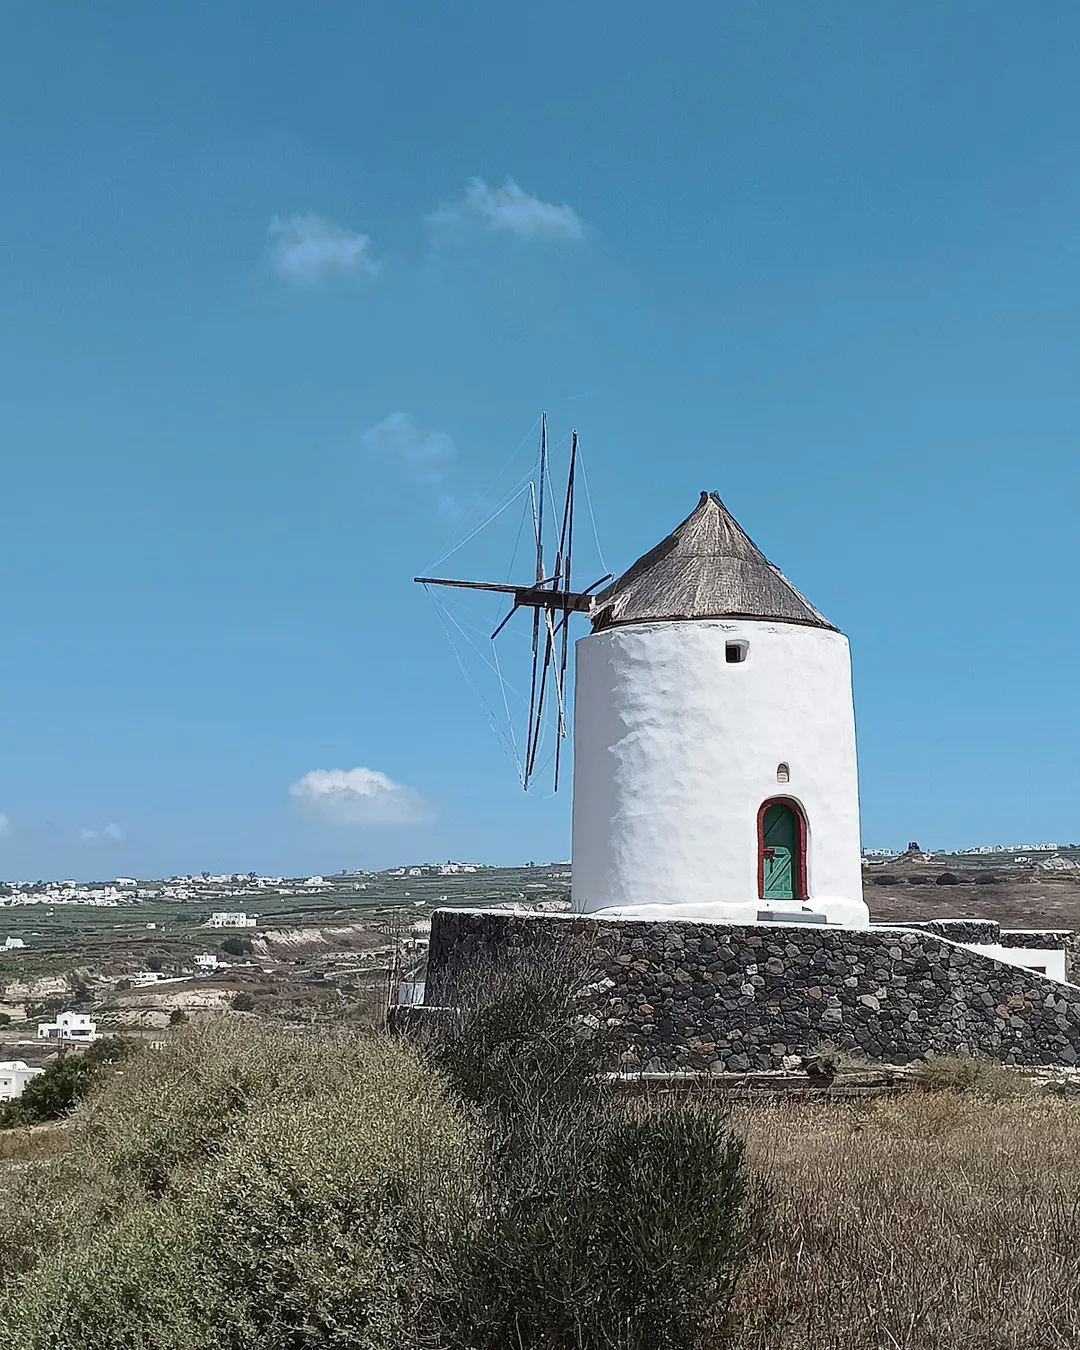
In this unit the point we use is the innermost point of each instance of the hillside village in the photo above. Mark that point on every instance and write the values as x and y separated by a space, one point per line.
141 958
205 886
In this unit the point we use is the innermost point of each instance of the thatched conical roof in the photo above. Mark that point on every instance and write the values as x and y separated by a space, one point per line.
707 568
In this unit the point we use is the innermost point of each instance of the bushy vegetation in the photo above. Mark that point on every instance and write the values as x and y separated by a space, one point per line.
237 1188
248 1188
51 1094
277 1190
64 1083
973 1074
236 946
579 1197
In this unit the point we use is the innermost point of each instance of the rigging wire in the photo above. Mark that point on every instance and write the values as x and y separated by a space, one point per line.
544 728
550 490
479 503
592 514
461 624
509 746
506 705
517 541
503 506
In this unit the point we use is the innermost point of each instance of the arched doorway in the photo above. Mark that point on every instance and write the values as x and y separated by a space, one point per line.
781 850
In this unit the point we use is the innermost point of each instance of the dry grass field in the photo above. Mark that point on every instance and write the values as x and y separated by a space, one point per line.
930 1221
1029 897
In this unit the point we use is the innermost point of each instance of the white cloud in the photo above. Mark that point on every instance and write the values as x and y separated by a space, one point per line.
308 248
427 456
5 824
360 797
512 210
111 833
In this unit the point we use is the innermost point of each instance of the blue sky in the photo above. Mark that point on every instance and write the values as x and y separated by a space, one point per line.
261 340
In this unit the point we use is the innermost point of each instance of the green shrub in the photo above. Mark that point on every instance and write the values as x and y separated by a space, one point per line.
624 1229
524 1029
253 1189
245 1189
236 946
242 1002
54 1093
177 1017
110 1050
578 1197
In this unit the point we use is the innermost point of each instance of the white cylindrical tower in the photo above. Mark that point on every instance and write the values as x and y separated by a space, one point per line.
714 741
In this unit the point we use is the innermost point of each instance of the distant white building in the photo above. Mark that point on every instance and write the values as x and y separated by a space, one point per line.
11 943
230 919
14 1076
144 978
69 1026
206 963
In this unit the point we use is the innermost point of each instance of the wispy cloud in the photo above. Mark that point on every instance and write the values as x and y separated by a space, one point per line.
108 834
510 210
360 797
5 824
311 249
426 456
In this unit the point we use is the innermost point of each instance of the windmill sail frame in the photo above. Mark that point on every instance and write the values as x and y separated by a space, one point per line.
553 601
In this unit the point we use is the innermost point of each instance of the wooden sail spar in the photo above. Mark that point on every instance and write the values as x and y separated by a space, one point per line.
553 600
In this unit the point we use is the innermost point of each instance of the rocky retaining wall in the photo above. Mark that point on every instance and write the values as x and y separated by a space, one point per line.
990 932
1047 939
730 998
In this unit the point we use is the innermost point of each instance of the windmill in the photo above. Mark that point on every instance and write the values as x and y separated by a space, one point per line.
552 599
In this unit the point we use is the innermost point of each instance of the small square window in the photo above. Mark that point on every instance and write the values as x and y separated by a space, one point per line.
735 652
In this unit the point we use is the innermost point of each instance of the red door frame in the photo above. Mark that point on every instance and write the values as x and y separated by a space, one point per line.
800 886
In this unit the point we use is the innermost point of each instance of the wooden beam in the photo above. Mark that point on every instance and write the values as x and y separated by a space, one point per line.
528 597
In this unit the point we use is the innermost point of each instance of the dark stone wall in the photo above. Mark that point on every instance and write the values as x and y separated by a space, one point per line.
1072 957
961 930
716 997
989 931
1046 938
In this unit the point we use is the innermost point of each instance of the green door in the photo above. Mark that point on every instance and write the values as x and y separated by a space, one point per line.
780 844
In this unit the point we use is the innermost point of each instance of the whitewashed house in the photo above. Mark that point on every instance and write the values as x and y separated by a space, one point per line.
230 919
14 1076
11 943
74 1028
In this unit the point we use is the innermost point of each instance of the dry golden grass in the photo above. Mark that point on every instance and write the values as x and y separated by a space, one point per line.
930 1221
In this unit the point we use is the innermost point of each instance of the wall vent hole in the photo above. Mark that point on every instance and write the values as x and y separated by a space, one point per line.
736 652
783 773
